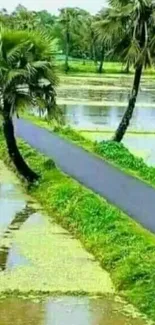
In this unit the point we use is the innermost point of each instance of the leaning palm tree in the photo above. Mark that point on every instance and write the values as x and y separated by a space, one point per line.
27 79
130 23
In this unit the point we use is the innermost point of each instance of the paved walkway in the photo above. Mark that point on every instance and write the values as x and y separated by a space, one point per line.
131 195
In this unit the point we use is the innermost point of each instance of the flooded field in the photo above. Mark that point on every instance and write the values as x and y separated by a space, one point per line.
98 104
46 276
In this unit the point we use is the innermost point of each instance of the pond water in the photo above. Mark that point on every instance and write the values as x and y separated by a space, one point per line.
99 103
38 259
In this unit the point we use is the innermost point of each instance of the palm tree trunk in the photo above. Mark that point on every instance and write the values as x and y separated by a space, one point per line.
131 105
13 151
67 52
100 69
127 68
94 54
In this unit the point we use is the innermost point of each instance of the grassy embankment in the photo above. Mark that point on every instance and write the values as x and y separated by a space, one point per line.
115 153
77 66
124 248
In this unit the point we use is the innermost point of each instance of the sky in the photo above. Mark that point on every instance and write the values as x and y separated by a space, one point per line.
53 5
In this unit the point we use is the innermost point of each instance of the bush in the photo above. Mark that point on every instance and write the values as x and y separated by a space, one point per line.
122 157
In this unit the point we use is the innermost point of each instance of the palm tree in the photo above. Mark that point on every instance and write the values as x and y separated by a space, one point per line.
69 21
100 40
26 78
25 19
133 20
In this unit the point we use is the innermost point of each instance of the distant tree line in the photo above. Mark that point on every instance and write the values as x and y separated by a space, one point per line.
74 29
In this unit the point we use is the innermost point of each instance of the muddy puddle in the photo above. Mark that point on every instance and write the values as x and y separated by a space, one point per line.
40 259
66 311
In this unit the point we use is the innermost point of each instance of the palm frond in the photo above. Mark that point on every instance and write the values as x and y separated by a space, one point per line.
132 52
22 102
15 52
27 74
12 75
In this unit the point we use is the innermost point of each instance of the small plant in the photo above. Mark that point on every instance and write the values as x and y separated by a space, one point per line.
49 164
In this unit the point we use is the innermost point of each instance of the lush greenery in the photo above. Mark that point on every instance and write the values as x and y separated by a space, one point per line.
27 78
124 32
125 249
106 36
121 156
73 29
112 151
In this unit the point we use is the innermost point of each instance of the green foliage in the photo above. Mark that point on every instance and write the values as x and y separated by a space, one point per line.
27 75
121 156
49 164
107 35
125 249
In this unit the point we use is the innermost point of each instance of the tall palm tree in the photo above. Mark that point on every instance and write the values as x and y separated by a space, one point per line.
130 21
100 41
69 21
26 78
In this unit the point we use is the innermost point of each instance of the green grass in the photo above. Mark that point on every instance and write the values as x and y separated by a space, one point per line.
89 67
77 66
115 153
124 248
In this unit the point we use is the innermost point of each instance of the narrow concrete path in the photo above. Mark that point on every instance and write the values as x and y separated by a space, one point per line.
131 195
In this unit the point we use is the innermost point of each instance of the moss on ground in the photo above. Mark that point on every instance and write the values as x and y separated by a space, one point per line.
124 248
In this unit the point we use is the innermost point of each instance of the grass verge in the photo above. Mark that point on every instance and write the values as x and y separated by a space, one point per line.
124 248
115 153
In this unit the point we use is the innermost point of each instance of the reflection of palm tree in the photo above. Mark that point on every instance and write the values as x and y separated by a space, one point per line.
16 223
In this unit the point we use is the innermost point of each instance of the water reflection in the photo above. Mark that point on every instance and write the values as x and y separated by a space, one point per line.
99 103
11 202
65 311
88 106
105 118
10 257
